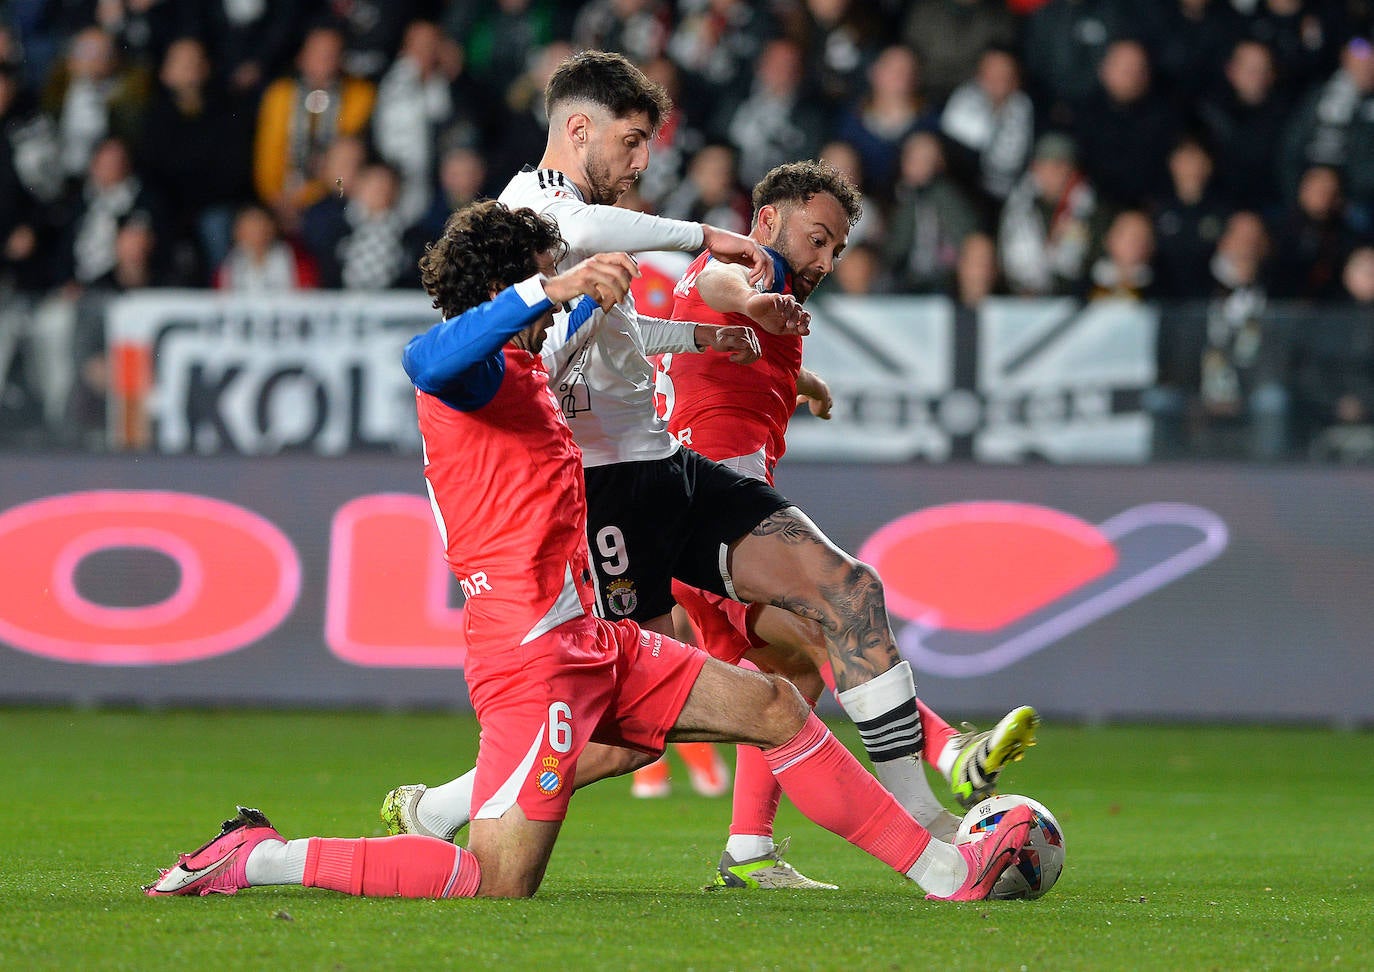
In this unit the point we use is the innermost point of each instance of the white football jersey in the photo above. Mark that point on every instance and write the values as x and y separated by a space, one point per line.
601 374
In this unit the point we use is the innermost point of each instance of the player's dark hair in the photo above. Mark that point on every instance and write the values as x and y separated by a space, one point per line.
799 181
485 247
609 80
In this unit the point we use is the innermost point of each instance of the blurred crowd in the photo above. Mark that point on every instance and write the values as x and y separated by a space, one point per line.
1212 151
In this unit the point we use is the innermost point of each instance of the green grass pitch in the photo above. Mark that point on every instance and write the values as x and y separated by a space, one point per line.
1237 848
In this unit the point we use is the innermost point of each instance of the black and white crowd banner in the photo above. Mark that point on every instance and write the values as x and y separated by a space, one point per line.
320 373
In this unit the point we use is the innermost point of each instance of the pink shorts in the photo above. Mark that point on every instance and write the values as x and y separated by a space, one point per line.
722 626
539 704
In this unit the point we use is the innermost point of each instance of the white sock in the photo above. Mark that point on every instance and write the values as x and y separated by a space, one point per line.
447 809
945 761
940 869
749 847
273 862
884 710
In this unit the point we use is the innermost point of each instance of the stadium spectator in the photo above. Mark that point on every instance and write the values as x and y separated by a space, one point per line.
519 140
462 179
860 273
143 29
112 193
845 158
250 41
892 109
1241 390
1125 129
949 35
372 31
1049 225
717 43
776 121
261 262
91 95
299 117
1193 41
1062 45
711 193
639 29
1124 271
414 104
976 275
676 139
28 148
1188 221
840 38
85 255
931 219
1334 373
1304 36
365 248
990 123
196 151
1244 120
1335 127
136 267
503 38
1312 240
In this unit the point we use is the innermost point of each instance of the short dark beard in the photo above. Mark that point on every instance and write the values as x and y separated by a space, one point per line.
601 187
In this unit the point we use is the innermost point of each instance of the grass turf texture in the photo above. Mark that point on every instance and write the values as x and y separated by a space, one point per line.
1187 849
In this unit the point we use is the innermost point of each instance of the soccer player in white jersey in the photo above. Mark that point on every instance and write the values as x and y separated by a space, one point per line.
658 511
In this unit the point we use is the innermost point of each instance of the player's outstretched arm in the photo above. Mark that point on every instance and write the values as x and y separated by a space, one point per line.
726 289
812 389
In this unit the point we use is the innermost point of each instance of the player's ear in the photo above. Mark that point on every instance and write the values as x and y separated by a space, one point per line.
769 220
577 128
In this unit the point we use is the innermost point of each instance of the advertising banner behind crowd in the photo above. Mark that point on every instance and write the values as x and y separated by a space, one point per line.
1200 593
320 373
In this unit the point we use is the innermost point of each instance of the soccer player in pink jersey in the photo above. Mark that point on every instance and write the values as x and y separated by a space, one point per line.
547 677
738 416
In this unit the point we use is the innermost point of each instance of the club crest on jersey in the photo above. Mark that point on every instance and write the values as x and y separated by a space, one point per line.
549 781
621 597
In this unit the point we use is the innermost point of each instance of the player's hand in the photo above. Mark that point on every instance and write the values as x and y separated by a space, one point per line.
815 393
605 278
741 343
730 247
778 314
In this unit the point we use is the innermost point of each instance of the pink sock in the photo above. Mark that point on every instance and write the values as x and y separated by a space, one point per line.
936 731
405 866
832 789
756 794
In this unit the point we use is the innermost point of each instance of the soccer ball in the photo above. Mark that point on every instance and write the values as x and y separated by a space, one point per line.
1040 862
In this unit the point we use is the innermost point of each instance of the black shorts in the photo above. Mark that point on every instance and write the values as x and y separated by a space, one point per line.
649 522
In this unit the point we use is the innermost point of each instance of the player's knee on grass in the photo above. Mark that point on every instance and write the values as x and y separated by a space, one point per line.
513 853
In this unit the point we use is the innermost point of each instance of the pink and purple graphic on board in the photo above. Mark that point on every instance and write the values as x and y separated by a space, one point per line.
984 585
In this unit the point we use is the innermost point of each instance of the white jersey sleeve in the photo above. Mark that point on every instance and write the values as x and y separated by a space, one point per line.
599 371
591 228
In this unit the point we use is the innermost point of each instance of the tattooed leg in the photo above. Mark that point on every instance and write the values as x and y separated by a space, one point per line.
787 562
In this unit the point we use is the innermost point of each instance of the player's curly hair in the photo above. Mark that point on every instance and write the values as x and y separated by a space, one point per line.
610 80
799 181
485 247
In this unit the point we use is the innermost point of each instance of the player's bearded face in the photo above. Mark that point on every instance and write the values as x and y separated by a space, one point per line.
617 151
810 237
